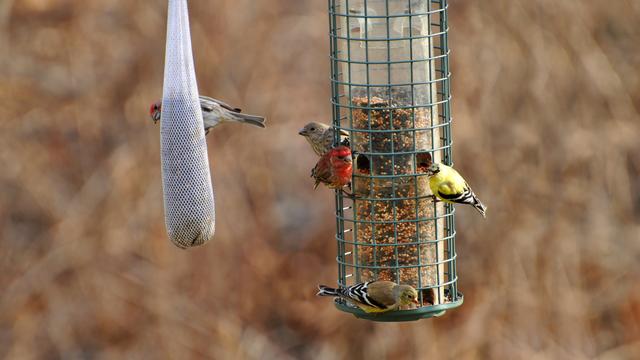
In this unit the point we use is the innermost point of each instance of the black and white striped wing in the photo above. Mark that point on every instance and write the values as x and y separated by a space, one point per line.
465 197
359 294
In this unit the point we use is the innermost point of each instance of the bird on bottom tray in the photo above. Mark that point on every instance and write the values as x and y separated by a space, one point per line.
320 137
374 296
215 112
449 186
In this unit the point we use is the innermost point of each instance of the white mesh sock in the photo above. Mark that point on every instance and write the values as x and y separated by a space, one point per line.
186 181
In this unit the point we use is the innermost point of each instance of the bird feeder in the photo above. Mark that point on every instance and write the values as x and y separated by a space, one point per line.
186 180
390 90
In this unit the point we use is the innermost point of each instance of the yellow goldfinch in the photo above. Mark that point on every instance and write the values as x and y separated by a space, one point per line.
447 185
320 137
374 296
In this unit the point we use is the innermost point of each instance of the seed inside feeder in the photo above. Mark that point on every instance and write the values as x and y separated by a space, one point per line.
394 213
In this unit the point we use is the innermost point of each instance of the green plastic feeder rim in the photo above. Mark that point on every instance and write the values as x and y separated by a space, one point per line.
401 315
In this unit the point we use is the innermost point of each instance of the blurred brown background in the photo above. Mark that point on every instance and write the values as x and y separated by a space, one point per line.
546 96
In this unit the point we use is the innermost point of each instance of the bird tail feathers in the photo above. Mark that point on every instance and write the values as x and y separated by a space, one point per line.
324 290
482 209
251 119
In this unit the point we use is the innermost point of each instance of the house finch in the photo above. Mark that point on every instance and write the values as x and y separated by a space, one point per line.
320 136
447 185
374 296
214 112
334 168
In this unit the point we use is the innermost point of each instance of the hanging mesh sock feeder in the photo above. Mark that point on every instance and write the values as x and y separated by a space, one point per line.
186 181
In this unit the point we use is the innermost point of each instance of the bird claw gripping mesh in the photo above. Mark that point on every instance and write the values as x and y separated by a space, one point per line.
186 181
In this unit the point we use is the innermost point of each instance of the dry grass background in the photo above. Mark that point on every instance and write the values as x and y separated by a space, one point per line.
546 103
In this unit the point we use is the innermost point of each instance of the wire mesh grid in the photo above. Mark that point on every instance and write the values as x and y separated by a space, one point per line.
390 91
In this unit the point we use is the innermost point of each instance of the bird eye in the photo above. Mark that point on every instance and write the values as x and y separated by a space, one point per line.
313 129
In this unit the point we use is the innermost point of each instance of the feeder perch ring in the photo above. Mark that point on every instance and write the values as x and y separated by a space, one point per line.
400 315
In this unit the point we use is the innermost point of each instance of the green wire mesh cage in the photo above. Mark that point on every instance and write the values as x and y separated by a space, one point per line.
390 91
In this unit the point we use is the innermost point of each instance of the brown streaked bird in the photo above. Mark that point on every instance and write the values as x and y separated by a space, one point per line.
320 136
214 112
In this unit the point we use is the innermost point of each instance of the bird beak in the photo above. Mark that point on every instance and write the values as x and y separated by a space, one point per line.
302 132
156 117
416 302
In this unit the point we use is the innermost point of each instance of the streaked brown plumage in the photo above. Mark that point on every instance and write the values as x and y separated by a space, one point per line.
320 136
215 112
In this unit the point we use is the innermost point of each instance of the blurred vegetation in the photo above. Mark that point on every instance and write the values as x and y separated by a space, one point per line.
546 96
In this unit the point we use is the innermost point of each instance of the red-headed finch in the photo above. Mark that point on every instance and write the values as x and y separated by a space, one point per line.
334 168
214 112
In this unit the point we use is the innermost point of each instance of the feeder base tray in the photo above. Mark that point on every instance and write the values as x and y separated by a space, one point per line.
402 315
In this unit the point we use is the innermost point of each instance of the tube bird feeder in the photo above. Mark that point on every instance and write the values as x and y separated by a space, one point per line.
390 90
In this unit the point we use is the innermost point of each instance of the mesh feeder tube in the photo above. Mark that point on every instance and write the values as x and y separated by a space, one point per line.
390 91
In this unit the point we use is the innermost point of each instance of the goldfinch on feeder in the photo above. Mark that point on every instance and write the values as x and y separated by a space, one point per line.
374 296
214 112
320 137
447 185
